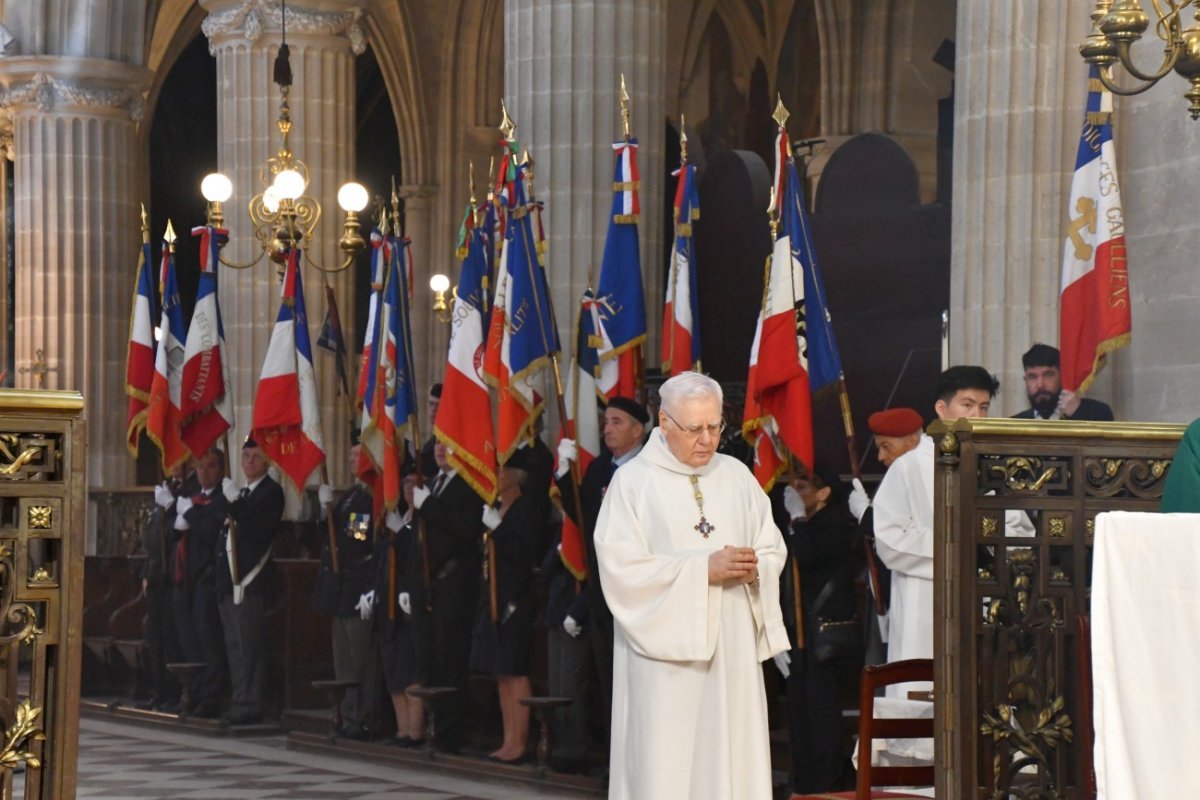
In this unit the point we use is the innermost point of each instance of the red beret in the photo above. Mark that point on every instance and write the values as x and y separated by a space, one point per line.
895 422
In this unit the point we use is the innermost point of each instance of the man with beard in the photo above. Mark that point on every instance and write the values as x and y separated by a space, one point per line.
1047 397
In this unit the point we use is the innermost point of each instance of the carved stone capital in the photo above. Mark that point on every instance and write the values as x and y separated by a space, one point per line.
251 19
55 84
416 193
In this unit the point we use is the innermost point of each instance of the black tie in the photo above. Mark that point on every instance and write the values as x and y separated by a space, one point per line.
438 483
244 493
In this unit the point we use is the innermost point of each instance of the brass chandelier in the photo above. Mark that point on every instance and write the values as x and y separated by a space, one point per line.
283 215
1117 25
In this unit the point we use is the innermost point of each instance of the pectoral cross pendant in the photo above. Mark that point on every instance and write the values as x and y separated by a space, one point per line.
704 527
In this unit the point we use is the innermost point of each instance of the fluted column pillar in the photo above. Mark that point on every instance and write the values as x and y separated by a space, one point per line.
323 36
431 337
562 80
75 200
1019 99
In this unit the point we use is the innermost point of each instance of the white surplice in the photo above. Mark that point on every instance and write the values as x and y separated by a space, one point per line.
689 715
904 541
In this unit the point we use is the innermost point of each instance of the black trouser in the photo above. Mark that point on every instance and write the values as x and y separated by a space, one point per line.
570 676
600 631
198 627
356 658
819 755
245 627
162 644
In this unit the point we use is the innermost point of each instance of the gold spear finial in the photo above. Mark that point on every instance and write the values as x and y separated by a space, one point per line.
625 112
169 235
145 225
471 181
682 141
781 114
383 215
508 128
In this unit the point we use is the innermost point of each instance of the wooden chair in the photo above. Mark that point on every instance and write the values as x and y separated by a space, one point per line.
871 727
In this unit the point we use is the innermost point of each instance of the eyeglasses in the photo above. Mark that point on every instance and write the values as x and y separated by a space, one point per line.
695 431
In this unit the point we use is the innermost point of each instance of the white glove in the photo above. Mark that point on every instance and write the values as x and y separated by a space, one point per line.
420 495
325 494
859 501
568 451
405 603
491 517
365 602
782 660
163 496
182 506
393 521
794 503
572 627
229 490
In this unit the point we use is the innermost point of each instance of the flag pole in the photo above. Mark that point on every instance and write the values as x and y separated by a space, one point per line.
422 532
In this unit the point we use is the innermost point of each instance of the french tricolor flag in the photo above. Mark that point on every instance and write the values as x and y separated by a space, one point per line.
619 290
207 407
287 420
464 418
163 415
139 363
681 311
758 426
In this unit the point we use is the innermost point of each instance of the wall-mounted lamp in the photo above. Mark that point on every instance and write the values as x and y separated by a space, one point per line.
440 284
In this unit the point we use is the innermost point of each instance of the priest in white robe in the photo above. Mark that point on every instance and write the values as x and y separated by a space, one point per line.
690 560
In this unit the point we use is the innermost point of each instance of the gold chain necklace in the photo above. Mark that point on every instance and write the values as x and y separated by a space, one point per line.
703 526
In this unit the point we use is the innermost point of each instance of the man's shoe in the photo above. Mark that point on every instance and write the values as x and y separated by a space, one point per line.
203 710
355 733
243 718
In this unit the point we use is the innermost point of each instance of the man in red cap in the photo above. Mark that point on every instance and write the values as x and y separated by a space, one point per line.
897 431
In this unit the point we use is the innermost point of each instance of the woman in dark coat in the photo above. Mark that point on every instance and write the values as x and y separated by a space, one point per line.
396 627
820 544
503 634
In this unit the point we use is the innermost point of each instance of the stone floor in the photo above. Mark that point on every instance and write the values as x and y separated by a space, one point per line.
121 760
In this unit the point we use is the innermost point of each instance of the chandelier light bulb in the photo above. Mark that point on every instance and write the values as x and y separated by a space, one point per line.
439 283
271 200
289 184
216 188
352 197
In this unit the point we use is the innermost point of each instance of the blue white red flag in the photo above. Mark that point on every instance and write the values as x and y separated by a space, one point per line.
331 339
380 256
1094 307
394 396
582 424
287 421
782 377
619 291
758 426
164 417
681 310
522 336
139 358
207 393
464 418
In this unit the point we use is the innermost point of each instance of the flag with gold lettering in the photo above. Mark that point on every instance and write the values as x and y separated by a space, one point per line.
207 394
163 415
1094 307
619 294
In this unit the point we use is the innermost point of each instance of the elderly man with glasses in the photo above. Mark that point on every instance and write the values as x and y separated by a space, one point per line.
690 559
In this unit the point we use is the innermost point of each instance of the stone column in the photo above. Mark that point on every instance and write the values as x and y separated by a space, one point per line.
323 36
76 239
1019 98
562 80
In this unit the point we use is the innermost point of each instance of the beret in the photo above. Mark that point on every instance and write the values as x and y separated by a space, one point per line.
631 407
895 422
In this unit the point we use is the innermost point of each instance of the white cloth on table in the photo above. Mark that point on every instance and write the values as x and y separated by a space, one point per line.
1146 655
689 715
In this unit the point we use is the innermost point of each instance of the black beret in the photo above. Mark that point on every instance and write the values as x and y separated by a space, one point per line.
631 407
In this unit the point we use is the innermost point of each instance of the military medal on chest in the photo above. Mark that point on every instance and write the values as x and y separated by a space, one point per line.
703 526
359 526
